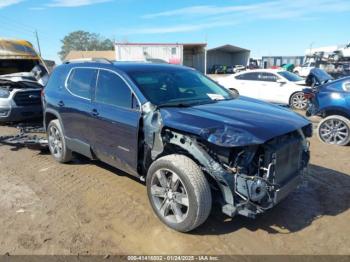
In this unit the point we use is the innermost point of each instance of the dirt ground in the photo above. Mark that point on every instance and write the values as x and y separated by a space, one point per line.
87 207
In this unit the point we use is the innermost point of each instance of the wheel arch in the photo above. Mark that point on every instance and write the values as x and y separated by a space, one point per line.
335 111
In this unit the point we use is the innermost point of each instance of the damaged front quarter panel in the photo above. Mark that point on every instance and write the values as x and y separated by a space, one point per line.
243 191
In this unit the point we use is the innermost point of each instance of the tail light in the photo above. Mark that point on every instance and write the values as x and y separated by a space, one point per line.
42 92
309 95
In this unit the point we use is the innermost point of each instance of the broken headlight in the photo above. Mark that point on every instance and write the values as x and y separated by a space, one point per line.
228 136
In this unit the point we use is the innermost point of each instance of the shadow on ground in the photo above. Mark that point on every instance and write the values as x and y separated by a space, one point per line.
324 192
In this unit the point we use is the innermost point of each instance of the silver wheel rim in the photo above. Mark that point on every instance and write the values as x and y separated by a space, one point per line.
169 196
55 142
299 101
334 131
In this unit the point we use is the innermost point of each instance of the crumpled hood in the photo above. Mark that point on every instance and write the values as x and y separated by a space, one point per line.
238 122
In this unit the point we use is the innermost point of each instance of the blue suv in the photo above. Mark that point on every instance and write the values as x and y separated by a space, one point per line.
329 99
190 139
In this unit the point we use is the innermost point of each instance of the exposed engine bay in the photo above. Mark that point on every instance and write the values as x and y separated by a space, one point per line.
250 178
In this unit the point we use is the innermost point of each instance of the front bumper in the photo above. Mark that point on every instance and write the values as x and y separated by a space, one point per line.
15 114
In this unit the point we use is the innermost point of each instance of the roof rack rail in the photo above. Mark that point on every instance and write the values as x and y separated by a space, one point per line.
81 60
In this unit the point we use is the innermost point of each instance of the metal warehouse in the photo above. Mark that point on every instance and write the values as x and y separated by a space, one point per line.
228 55
188 54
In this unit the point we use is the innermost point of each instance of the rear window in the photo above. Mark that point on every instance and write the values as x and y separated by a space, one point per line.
248 76
81 81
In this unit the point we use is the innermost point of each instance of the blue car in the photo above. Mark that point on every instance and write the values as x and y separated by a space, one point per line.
330 99
191 140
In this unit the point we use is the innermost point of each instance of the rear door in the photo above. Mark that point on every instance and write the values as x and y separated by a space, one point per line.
271 90
117 113
75 107
248 84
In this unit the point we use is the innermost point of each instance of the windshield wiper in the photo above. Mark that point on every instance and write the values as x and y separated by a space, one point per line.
174 105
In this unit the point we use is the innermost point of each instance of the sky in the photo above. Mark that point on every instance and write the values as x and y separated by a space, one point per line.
268 27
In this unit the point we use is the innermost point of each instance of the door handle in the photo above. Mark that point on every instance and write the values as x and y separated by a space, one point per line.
95 112
60 104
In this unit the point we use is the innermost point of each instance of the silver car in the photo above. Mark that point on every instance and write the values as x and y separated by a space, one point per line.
20 97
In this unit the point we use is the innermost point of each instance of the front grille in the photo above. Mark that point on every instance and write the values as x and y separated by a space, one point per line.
27 98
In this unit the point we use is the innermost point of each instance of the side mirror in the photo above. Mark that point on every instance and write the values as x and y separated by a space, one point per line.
281 81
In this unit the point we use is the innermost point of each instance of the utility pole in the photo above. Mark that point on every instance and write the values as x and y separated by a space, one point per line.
37 40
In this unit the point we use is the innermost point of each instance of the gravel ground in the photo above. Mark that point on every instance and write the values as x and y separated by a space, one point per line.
87 207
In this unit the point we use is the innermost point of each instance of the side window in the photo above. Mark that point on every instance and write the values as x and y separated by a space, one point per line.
248 76
112 90
81 81
268 77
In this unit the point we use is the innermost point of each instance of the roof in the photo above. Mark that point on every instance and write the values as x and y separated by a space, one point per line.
90 54
229 49
128 66
17 49
162 44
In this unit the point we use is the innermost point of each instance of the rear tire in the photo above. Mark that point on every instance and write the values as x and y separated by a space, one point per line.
334 130
298 101
179 192
57 142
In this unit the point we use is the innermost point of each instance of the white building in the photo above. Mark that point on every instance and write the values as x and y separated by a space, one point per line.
189 54
193 55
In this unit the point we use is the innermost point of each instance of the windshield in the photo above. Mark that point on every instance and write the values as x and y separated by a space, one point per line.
290 76
169 87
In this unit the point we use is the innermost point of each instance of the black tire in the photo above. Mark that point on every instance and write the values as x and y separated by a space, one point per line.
192 186
57 142
338 124
298 101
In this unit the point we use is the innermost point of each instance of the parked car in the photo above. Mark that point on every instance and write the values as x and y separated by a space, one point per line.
234 69
22 77
218 69
271 85
304 69
330 99
190 139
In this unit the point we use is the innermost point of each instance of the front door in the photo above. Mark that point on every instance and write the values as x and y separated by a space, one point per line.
116 124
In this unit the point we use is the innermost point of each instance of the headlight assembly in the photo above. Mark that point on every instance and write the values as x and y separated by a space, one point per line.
4 93
346 86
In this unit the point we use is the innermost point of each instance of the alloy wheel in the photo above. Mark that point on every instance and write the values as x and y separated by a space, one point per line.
299 101
169 196
334 131
55 142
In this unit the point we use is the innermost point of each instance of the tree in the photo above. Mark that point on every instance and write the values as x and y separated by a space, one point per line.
84 41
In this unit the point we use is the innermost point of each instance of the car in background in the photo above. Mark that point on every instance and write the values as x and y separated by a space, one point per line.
218 69
329 99
271 85
190 139
22 77
234 69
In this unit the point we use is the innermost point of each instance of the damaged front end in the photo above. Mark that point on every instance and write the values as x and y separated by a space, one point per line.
251 178
251 175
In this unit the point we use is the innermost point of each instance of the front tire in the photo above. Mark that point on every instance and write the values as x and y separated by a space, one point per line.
57 142
334 130
179 192
298 101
